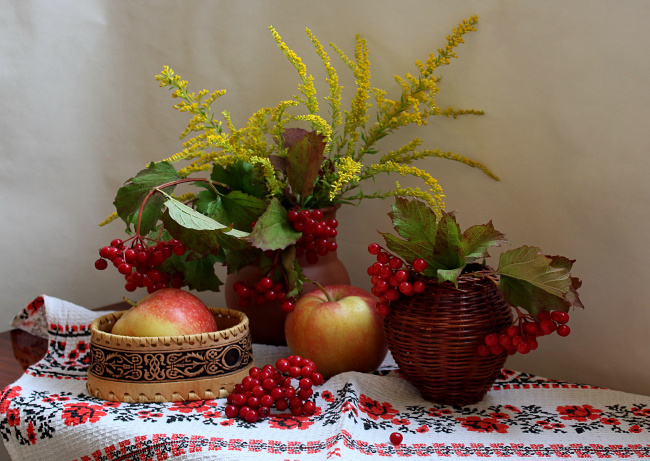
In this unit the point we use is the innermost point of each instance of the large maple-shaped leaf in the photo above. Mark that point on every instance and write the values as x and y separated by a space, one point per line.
273 230
304 159
572 296
410 251
477 239
448 250
129 197
413 220
530 281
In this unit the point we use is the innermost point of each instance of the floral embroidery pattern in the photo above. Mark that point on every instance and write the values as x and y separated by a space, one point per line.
375 409
30 414
75 414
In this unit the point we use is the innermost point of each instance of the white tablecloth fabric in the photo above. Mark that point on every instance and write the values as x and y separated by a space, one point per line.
48 415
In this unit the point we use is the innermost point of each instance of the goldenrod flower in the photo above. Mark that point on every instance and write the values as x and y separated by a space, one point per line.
435 191
333 81
307 88
273 185
218 141
347 172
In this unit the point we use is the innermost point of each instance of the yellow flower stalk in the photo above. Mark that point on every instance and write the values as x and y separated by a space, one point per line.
348 172
307 88
213 138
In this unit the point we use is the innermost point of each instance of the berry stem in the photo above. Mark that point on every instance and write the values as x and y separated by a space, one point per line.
169 184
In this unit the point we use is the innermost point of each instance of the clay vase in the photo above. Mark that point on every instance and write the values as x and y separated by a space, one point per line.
266 321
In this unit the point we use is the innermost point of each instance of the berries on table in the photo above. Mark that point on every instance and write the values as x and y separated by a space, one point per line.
272 386
396 438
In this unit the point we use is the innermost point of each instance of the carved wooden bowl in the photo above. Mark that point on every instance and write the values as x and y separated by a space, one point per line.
169 368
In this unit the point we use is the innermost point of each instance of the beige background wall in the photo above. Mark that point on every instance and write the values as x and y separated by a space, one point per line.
564 85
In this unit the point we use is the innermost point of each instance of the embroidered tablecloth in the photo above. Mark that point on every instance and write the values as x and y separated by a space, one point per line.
48 415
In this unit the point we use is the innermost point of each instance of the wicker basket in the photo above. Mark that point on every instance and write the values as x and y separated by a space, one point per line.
169 368
434 336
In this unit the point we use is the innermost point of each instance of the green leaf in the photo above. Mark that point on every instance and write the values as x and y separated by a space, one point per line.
237 259
530 265
204 241
414 220
477 239
129 197
529 280
241 176
410 251
304 159
273 230
191 219
292 270
448 250
238 208
200 276
198 271
572 296
449 275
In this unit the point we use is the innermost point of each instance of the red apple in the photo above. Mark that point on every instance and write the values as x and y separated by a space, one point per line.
339 329
166 312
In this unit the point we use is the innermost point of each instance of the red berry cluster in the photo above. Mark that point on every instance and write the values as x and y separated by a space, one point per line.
139 263
316 234
522 336
391 276
271 386
265 290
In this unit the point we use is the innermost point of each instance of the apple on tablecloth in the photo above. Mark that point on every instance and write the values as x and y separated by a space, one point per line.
338 328
166 312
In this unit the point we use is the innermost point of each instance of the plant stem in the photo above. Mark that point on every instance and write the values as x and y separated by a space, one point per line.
129 302
169 184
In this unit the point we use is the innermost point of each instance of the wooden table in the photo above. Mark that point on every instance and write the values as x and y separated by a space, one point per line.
19 349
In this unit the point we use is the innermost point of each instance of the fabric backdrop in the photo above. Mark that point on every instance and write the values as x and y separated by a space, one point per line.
564 87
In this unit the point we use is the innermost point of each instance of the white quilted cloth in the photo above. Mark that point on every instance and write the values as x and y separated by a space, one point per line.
48 415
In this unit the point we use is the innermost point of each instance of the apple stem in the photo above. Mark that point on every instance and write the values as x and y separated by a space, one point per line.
322 288
129 302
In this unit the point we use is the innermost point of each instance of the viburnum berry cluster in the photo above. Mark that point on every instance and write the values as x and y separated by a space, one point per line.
265 290
287 386
139 260
522 335
316 241
391 276
317 234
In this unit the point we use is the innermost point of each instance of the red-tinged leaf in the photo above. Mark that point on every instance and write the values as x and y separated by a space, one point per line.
530 281
304 159
572 296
